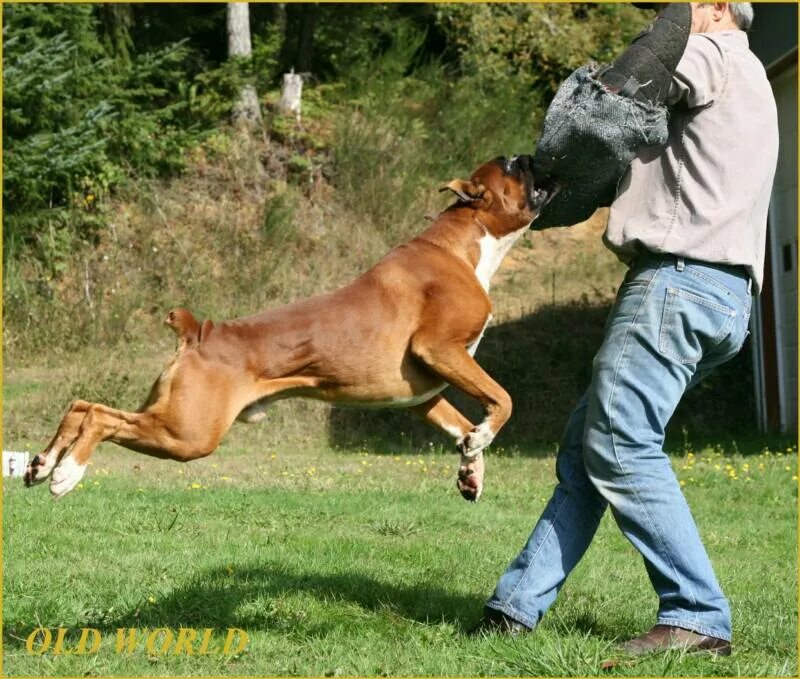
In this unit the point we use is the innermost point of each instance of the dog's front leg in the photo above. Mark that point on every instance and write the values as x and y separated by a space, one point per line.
454 364
441 413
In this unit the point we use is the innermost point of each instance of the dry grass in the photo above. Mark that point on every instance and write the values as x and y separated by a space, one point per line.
233 236
557 267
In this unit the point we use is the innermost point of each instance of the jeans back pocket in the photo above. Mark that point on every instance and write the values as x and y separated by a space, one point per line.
691 325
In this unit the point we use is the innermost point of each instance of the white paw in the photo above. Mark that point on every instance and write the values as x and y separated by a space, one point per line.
476 440
66 476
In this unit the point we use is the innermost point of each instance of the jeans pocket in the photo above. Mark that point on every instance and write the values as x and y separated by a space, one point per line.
691 325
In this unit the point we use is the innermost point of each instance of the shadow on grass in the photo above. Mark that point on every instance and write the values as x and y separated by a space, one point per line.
260 598
544 361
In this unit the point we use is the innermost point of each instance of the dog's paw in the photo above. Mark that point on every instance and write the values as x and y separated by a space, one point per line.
470 477
66 476
39 468
475 440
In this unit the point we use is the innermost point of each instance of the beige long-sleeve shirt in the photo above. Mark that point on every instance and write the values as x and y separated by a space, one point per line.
706 194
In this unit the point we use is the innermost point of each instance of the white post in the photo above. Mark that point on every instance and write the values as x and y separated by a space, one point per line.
291 94
14 463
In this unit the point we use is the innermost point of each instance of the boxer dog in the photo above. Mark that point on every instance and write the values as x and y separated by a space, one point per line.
394 337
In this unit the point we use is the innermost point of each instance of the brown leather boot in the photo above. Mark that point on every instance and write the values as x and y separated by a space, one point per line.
669 638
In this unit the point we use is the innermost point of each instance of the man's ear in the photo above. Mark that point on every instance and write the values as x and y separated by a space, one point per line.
467 191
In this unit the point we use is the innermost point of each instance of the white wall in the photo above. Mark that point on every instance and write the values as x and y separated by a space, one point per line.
783 244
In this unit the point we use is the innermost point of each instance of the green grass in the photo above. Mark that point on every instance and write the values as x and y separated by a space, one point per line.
369 563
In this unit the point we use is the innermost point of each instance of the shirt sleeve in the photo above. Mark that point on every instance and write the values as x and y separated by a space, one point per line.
700 74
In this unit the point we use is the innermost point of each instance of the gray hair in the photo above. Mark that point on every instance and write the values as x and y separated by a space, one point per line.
742 13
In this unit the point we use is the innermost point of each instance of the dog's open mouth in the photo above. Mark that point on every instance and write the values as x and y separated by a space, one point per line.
539 191
540 195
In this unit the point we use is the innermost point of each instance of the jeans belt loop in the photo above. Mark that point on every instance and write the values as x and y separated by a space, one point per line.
680 264
749 285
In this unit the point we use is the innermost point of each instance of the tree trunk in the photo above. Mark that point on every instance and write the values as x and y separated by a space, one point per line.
116 20
306 47
246 111
279 17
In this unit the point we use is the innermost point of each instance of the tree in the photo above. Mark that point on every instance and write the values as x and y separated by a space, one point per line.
246 110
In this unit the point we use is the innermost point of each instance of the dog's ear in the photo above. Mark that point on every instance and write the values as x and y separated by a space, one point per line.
466 190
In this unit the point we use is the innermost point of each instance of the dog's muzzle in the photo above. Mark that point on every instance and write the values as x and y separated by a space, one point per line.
538 191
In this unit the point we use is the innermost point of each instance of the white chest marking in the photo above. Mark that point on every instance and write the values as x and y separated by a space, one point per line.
493 250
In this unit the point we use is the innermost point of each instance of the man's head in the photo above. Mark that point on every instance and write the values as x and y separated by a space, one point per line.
710 17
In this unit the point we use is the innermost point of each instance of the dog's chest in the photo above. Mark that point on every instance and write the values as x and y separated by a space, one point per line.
492 252
473 347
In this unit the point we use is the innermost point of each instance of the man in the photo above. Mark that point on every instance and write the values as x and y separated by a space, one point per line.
690 218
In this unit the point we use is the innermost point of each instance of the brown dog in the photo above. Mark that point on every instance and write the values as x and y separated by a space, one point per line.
394 337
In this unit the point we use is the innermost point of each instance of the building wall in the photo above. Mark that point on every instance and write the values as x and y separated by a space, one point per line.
783 244
773 38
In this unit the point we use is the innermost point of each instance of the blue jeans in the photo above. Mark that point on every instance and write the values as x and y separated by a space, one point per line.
672 323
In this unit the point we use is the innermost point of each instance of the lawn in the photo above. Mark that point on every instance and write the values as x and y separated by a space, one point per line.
369 563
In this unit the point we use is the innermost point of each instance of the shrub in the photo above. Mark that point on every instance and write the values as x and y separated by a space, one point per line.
77 121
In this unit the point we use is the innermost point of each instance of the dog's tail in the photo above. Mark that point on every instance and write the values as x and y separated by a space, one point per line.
187 327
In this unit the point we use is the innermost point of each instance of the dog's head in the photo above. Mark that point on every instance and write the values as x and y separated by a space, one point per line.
504 190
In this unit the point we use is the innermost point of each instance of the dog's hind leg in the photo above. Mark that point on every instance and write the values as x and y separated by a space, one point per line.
194 408
442 414
146 432
68 430
176 415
